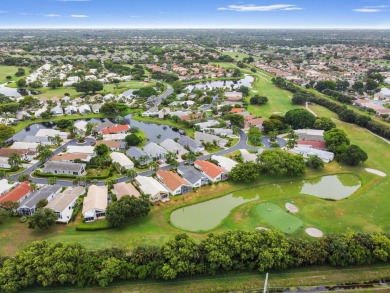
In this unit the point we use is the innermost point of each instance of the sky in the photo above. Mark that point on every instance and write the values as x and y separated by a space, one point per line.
195 14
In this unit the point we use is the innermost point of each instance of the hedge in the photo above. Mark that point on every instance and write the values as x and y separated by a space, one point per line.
67 176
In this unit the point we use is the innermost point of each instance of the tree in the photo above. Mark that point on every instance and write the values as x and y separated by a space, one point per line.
36 84
146 92
42 219
236 120
351 155
133 140
299 98
15 160
4 215
325 85
52 180
258 100
254 136
110 183
42 203
23 177
334 138
28 101
177 86
324 123
358 86
127 208
110 108
371 85
87 86
300 118
280 163
131 173
315 162
20 72
55 83
245 172
21 82
64 123
348 116
45 155
154 165
101 149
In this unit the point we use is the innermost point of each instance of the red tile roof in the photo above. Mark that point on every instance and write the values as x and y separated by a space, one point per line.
172 180
69 157
116 129
113 144
256 121
17 193
236 110
313 144
209 168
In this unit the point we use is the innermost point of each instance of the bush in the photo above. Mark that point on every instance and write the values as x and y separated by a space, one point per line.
23 219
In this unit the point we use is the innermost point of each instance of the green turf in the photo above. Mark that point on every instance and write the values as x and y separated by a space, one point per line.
279 218
9 70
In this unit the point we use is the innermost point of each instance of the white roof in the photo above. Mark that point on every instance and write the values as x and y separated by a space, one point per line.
247 156
75 149
172 146
149 185
24 145
310 131
82 125
96 199
308 151
225 163
64 199
115 136
122 159
50 132
210 138
4 186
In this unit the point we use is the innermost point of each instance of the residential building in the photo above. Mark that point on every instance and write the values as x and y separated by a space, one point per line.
310 134
66 157
100 127
192 175
116 129
211 139
122 159
84 109
308 151
233 97
18 194
113 145
95 203
191 144
115 136
52 133
155 151
213 172
142 157
172 146
121 189
96 108
29 205
5 186
207 124
173 182
4 163
219 131
320 145
64 202
44 140
248 157
54 167
225 163
152 187
24 145
85 150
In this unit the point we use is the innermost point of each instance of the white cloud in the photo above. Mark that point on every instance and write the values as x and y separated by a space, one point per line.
367 10
256 8
52 15
79 15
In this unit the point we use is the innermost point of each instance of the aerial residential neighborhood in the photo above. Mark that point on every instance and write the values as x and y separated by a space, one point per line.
166 146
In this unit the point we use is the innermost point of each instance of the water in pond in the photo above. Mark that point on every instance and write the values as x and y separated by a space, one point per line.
11 92
231 84
208 215
154 132
332 187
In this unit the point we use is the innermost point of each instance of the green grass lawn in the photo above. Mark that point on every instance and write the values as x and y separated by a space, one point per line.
10 70
278 100
238 55
279 218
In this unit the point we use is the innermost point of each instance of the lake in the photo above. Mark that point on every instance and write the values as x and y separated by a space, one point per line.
208 215
16 93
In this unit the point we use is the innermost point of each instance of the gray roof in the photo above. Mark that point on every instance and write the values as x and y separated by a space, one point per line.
189 173
312 137
189 142
103 125
65 198
38 139
155 150
65 166
43 193
135 153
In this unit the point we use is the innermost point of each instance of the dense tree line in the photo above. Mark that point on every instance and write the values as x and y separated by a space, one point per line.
46 264
376 127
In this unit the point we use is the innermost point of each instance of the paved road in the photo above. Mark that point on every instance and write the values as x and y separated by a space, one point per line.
157 100
242 144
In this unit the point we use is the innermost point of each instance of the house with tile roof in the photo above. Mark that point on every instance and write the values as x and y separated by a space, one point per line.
192 175
213 172
121 189
152 187
173 182
116 129
17 194
95 203
29 205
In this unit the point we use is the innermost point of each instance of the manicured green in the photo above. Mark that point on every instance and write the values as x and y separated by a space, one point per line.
9 70
279 218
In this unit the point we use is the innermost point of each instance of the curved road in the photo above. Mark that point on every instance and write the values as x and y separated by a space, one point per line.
242 144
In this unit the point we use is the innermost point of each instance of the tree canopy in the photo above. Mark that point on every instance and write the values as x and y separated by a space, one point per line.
281 163
300 118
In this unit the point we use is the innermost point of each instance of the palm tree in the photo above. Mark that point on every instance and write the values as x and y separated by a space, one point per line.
14 160
33 186
191 157
131 173
41 148
109 183
76 181
45 155
52 180
174 164
143 159
154 166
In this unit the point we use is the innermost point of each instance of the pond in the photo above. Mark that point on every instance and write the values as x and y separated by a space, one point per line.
11 92
154 132
231 84
208 215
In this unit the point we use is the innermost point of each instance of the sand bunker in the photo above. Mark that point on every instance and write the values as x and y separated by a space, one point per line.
377 172
313 232
291 208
